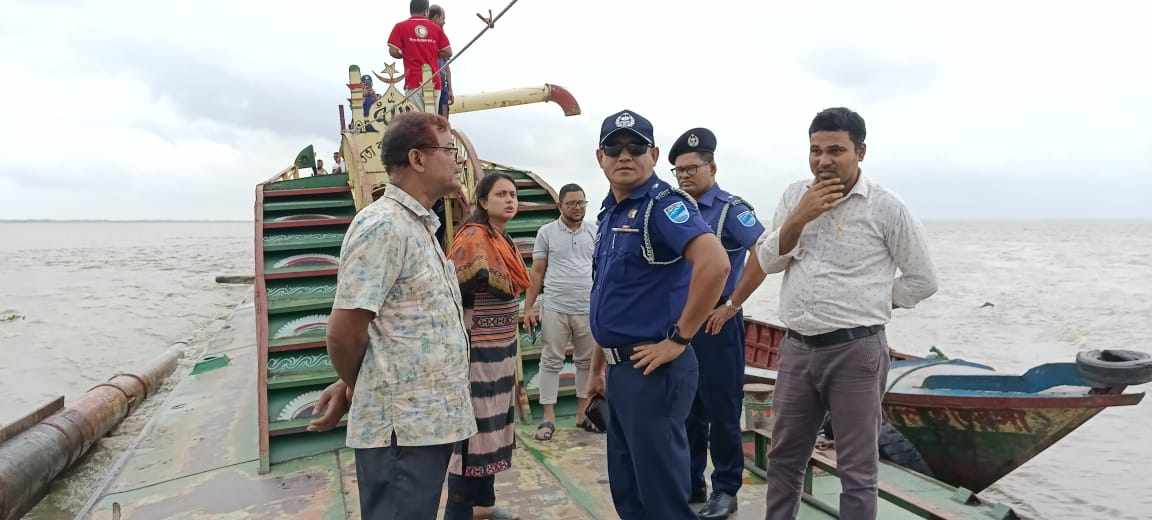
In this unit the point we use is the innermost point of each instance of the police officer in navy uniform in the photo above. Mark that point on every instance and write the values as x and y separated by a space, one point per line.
650 241
714 422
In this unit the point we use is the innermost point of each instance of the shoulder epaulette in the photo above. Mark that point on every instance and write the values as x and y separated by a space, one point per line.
649 251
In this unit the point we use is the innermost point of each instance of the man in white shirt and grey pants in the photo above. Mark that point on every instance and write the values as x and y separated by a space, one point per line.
562 267
839 238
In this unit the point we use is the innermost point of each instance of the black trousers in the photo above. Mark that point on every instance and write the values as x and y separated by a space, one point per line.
401 482
464 493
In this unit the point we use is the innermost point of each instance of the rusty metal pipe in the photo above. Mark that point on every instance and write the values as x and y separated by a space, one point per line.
31 460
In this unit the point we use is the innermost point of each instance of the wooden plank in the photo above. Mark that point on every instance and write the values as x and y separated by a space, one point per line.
288 347
302 379
261 304
285 275
31 419
308 204
537 206
316 222
280 429
891 492
305 191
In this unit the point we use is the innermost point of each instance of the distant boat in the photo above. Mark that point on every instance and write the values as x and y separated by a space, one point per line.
971 424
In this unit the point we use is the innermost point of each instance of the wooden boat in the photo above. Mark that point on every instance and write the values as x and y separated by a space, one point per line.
971 424
300 224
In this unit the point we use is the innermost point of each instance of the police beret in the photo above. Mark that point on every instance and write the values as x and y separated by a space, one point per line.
694 140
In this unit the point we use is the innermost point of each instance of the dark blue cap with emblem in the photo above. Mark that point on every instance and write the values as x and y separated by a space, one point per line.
694 140
627 121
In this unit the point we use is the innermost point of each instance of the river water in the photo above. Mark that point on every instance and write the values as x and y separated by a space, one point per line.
80 301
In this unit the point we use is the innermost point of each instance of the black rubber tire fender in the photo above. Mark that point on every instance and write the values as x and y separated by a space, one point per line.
1108 368
896 448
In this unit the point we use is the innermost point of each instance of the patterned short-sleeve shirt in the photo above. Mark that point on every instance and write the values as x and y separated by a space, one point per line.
414 377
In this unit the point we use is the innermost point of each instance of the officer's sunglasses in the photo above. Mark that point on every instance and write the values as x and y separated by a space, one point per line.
634 149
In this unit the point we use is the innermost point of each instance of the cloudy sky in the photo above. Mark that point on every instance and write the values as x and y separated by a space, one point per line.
975 110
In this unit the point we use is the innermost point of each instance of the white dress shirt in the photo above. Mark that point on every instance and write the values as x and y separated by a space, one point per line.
842 272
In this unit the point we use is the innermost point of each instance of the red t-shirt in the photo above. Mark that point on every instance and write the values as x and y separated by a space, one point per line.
420 41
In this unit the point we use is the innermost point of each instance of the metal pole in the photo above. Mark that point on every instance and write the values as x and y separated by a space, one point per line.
31 460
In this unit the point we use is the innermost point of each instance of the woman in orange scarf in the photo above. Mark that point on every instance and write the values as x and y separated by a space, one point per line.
492 276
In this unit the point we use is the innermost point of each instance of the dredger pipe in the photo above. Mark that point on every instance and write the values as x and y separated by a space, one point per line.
32 459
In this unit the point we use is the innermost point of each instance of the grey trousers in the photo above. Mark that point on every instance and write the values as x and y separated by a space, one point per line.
559 330
401 482
847 380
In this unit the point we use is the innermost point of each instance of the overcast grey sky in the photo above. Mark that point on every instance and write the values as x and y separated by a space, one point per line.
175 110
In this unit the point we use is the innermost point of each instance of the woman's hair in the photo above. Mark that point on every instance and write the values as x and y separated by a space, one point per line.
479 214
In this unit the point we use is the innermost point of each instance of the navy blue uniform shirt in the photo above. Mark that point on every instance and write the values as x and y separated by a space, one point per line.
633 301
739 234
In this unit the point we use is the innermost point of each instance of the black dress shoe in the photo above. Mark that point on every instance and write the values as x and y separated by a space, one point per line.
719 506
698 496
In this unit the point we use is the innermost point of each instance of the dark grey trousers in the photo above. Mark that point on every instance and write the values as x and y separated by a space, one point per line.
846 380
401 482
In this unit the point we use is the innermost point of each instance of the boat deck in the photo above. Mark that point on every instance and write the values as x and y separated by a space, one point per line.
198 458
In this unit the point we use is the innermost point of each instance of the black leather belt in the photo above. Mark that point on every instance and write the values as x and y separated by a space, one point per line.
836 337
623 353
616 355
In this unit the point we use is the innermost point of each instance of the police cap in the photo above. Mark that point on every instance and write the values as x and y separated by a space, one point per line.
694 140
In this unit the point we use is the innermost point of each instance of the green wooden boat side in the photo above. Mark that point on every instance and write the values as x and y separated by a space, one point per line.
297 326
524 193
303 304
288 448
528 223
301 294
299 362
974 457
309 214
301 239
326 377
298 261
308 204
322 181
288 404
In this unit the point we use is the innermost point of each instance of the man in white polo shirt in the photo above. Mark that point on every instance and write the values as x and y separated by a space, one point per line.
562 262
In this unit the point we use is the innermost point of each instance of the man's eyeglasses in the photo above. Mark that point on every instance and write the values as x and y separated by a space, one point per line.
634 149
576 204
456 151
687 171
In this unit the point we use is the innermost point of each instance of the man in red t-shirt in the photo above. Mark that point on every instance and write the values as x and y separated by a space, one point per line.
418 41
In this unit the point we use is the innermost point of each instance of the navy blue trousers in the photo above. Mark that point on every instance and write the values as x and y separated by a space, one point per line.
714 422
647 445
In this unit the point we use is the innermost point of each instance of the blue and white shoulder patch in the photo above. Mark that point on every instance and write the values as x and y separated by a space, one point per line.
677 213
747 218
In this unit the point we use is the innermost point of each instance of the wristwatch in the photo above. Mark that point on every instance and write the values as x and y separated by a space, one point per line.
675 337
730 304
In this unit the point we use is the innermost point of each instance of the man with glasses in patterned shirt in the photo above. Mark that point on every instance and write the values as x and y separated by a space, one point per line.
396 335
